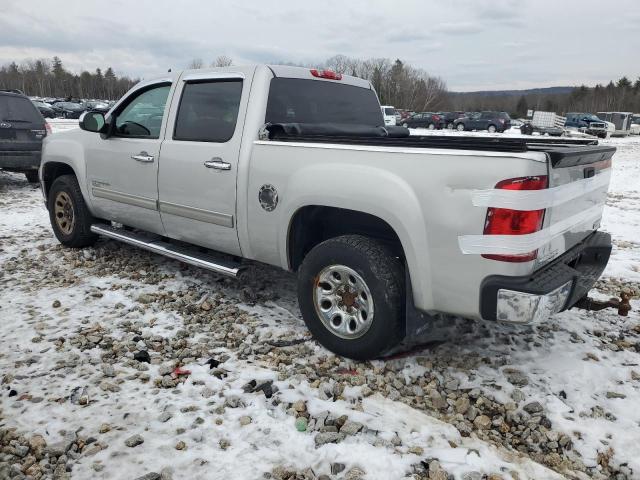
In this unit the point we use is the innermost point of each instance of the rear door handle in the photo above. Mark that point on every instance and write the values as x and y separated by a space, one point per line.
143 157
218 164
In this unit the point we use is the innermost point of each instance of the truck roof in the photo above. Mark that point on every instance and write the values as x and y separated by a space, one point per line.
285 71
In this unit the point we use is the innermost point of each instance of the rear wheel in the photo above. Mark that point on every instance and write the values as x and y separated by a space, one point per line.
460 127
491 128
432 126
68 213
351 295
449 126
32 176
405 125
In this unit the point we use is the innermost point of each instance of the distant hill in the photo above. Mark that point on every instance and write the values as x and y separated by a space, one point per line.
511 93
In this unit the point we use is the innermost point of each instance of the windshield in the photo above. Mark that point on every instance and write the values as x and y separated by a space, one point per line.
294 100
18 109
592 118
389 111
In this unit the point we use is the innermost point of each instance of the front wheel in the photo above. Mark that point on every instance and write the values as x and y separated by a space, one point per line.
351 295
460 127
405 125
68 213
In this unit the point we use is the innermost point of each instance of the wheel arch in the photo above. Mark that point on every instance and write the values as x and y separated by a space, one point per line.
53 170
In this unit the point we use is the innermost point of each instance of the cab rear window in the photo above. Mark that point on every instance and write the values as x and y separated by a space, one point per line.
18 109
294 100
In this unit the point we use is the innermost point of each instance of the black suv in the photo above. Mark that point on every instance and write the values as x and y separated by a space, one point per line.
22 129
491 121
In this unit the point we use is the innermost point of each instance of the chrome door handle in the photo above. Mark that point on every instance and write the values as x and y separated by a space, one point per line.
143 157
218 164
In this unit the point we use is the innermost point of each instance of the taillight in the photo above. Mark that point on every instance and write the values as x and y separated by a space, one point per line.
47 127
328 74
504 221
436 117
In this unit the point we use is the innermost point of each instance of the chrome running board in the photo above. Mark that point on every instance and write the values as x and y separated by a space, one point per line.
183 254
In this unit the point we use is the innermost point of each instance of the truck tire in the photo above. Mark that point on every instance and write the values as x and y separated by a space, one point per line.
68 213
351 292
32 176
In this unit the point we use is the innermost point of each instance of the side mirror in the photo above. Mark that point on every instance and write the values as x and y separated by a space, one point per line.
92 122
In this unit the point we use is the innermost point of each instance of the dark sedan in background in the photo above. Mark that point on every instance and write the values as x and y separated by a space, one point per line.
45 109
490 121
429 120
68 109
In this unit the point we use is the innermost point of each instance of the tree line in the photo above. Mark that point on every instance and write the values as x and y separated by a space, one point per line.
49 78
396 82
620 96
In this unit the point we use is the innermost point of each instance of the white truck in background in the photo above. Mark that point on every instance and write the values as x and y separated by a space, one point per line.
294 167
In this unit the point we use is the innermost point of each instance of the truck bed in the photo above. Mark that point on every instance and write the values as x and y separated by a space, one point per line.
563 152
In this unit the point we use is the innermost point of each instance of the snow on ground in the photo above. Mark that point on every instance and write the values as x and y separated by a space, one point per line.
483 401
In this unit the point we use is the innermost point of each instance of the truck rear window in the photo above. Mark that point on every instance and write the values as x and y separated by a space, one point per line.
293 100
18 109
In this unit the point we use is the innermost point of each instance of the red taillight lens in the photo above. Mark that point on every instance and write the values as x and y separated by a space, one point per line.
504 221
436 117
328 74
47 127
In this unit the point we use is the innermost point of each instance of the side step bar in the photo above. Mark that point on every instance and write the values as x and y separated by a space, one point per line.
186 255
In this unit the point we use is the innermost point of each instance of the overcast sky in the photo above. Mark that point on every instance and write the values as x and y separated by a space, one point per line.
471 44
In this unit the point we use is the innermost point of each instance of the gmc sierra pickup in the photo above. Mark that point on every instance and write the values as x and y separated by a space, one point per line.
294 167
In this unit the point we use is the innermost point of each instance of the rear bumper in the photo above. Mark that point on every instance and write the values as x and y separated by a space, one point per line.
553 288
20 160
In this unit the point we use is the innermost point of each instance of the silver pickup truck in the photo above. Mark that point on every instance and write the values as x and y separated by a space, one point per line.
294 167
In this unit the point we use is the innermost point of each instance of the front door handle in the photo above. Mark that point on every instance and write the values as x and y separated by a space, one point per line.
143 157
218 164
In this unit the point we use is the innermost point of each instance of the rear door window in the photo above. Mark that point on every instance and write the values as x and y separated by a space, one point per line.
208 111
18 110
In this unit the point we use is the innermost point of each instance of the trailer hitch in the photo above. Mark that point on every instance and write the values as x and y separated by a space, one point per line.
622 304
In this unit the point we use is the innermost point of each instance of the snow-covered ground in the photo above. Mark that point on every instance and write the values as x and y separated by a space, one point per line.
256 397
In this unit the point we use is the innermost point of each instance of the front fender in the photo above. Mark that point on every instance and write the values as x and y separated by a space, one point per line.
374 191
65 148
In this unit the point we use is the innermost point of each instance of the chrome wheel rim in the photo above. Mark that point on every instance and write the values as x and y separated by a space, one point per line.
432 126
460 127
492 129
343 302
63 212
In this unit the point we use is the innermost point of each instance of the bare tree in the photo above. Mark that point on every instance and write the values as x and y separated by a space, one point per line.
195 64
222 61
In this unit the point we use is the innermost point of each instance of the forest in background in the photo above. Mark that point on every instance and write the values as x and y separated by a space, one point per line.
397 83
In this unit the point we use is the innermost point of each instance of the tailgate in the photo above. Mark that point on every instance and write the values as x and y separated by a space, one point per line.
578 182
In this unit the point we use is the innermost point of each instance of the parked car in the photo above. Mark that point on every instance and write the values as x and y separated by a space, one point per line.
96 106
22 129
450 117
264 169
635 125
587 123
68 109
529 128
429 120
389 114
44 108
490 121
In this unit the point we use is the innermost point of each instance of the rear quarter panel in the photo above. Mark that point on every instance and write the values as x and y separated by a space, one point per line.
424 194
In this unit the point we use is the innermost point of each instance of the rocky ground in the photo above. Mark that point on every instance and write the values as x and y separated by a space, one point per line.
117 363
